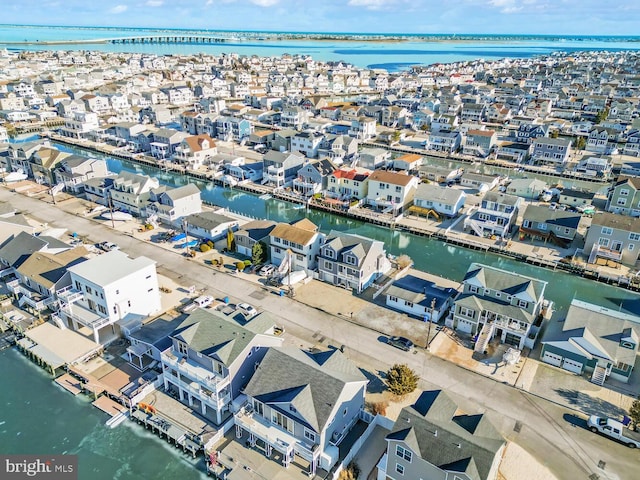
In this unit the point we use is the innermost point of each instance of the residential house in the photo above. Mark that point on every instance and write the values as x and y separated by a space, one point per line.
313 177
110 294
514 152
281 168
624 196
495 303
575 198
171 205
435 173
251 233
165 141
444 141
434 439
307 143
295 117
554 151
348 183
76 169
603 141
43 162
363 128
302 403
540 222
391 191
233 129
212 358
419 297
480 143
596 166
409 162
596 340
195 150
130 192
295 246
338 148
479 181
632 145
431 199
80 124
352 261
613 237
527 188
527 133
496 215
373 158
210 225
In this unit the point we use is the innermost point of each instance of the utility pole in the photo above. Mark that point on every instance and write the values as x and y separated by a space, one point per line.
433 306
113 224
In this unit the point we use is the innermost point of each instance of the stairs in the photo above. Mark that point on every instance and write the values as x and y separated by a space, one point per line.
475 226
483 339
599 375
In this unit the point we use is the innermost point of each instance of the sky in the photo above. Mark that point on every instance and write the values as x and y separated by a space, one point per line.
569 17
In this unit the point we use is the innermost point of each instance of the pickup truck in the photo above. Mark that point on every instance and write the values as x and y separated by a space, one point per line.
614 429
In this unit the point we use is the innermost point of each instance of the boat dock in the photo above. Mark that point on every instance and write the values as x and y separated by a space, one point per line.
181 438
69 383
109 406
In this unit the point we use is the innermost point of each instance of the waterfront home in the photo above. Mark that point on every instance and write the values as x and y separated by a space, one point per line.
613 237
281 140
307 143
444 141
129 192
20 153
313 177
351 261
419 297
373 158
195 151
302 403
210 225
575 198
73 170
596 340
171 205
4 136
362 128
551 151
444 123
347 183
624 196
597 166
110 294
42 274
496 215
434 439
479 143
280 168
390 191
473 112
479 181
42 163
498 304
514 151
527 133
80 125
431 199
212 358
295 246
632 145
15 250
255 231
409 162
165 141
603 140
295 117
338 148
527 188
438 174
233 129
540 222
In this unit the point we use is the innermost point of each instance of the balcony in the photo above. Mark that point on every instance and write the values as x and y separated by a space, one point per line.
198 391
69 294
207 379
503 322
85 316
602 252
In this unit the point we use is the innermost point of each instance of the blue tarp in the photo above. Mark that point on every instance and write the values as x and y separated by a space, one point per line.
180 236
191 243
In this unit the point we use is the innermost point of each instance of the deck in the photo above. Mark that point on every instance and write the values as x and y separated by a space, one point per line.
69 383
109 406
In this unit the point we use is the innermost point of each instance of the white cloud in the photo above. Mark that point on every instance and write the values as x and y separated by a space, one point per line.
118 9
265 3
372 4
154 3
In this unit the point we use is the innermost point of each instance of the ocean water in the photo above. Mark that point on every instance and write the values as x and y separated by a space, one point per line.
392 55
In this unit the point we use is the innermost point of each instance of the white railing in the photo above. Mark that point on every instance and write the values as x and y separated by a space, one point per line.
202 394
95 324
69 294
182 365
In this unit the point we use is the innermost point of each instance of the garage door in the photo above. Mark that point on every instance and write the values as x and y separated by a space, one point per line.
552 359
464 326
575 367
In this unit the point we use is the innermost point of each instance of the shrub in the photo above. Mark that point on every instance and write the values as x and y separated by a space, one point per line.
210 243
401 380
204 248
350 472
379 408
247 263
240 266
404 261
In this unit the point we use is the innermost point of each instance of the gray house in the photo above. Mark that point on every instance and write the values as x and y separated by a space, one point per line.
613 237
553 225
352 261
554 151
415 295
280 168
211 359
302 403
373 158
433 439
313 177
252 233
74 170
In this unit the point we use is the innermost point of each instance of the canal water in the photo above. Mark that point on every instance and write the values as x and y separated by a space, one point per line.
433 256
40 418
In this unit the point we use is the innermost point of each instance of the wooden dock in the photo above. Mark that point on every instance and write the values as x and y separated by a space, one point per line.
108 406
164 428
69 383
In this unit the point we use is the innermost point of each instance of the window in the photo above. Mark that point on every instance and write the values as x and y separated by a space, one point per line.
403 453
344 412
277 250
408 304
634 236
623 367
631 247
398 189
466 312
621 201
542 226
523 303
606 231
393 299
327 265
309 435
624 192
473 289
603 242
183 348
399 469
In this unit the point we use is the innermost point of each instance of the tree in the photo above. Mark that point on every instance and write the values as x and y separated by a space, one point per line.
395 136
258 253
602 115
554 134
240 266
404 261
401 380
634 413
350 472
580 143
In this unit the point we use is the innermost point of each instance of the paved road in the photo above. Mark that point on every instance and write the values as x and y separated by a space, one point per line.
548 431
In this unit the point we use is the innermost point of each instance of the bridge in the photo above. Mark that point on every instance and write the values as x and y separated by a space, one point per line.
189 39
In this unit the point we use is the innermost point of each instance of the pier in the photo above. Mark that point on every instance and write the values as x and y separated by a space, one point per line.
189 39
162 427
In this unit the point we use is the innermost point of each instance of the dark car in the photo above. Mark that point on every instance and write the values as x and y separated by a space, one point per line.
401 343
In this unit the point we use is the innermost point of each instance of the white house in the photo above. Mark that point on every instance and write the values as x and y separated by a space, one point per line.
172 204
391 191
443 200
295 246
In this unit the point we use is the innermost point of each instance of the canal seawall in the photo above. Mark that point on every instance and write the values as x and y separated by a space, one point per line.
444 235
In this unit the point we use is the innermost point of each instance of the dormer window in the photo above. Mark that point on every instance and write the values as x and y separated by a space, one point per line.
627 344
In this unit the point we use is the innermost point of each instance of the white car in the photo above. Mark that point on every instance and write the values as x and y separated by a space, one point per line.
108 246
267 270
247 309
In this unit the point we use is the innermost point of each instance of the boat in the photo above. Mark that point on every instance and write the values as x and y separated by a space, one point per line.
180 236
293 278
99 208
16 176
228 179
120 216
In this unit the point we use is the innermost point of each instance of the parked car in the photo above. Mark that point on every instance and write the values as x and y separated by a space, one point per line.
203 301
267 270
247 310
614 429
108 246
401 342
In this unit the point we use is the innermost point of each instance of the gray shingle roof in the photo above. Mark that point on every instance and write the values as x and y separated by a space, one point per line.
311 382
208 220
434 430
510 283
445 195
542 214
18 249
